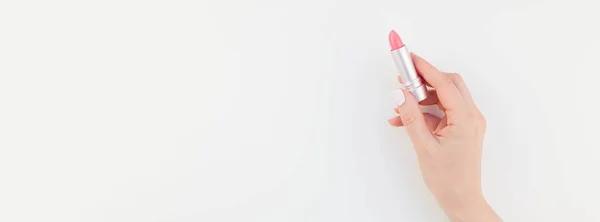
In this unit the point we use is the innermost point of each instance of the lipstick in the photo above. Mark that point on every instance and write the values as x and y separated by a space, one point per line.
409 79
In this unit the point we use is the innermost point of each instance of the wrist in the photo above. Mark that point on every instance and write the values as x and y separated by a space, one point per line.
476 210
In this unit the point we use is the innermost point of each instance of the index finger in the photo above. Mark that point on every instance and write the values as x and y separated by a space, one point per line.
447 92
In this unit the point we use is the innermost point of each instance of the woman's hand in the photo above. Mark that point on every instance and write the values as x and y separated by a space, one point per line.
448 148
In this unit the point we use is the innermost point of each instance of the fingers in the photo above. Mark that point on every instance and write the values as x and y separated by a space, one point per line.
411 118
442 125
449 96
395 121
431 120
432 98
461 86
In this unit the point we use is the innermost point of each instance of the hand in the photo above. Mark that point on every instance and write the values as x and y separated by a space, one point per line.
448 148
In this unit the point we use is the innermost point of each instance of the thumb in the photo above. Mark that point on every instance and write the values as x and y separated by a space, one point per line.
412 118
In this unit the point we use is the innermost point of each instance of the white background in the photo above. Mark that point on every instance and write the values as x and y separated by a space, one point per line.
125 110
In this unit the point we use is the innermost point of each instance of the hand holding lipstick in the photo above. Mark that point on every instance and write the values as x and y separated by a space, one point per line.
448 148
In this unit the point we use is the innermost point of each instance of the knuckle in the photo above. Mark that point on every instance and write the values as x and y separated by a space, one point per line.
408 119
476 120
472 119
456 77
482 121
447 80
471 116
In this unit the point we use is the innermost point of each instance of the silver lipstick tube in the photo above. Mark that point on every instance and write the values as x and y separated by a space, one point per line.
411 81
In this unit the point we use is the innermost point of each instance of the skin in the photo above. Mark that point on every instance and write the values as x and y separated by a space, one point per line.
448 148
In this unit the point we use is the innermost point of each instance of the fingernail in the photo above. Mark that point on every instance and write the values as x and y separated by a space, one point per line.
398 96
389 120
